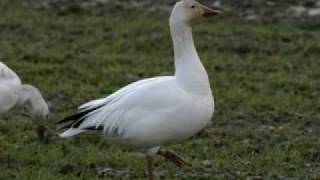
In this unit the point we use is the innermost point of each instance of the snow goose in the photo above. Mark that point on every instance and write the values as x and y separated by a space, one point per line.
153 112
14 94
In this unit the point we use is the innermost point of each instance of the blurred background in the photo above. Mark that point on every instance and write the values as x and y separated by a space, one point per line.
247 9
262 58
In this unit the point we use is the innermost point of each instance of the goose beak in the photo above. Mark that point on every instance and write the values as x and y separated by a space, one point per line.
206 11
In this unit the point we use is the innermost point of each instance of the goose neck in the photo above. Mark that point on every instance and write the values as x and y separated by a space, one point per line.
189 70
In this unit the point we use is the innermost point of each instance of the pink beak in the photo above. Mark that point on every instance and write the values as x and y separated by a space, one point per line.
210 11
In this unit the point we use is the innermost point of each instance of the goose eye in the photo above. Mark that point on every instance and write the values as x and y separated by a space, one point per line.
192 6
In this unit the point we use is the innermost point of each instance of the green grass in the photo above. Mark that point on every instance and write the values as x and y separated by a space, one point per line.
265 79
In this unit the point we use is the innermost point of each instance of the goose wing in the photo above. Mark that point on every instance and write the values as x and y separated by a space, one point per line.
116 112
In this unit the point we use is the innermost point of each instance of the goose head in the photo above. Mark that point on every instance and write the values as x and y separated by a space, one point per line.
32 103
188 10
34 106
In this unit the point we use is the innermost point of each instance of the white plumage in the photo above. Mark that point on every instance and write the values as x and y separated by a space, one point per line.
143 118
14 94
9 88
153 112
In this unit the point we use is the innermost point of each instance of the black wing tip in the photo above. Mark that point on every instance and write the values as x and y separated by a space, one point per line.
74 120
64 123
68 118
94 128
69 121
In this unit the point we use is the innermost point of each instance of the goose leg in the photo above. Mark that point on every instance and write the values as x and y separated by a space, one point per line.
174 158
150 162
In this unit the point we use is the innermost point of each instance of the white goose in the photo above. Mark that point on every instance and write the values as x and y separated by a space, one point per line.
153 112
14 94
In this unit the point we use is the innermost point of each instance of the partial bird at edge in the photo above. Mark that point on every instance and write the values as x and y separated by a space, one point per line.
24 97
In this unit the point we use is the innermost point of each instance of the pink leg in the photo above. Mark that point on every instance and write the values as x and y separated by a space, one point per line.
174 158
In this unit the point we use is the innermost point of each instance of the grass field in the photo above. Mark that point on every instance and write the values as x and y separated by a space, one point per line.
265 78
